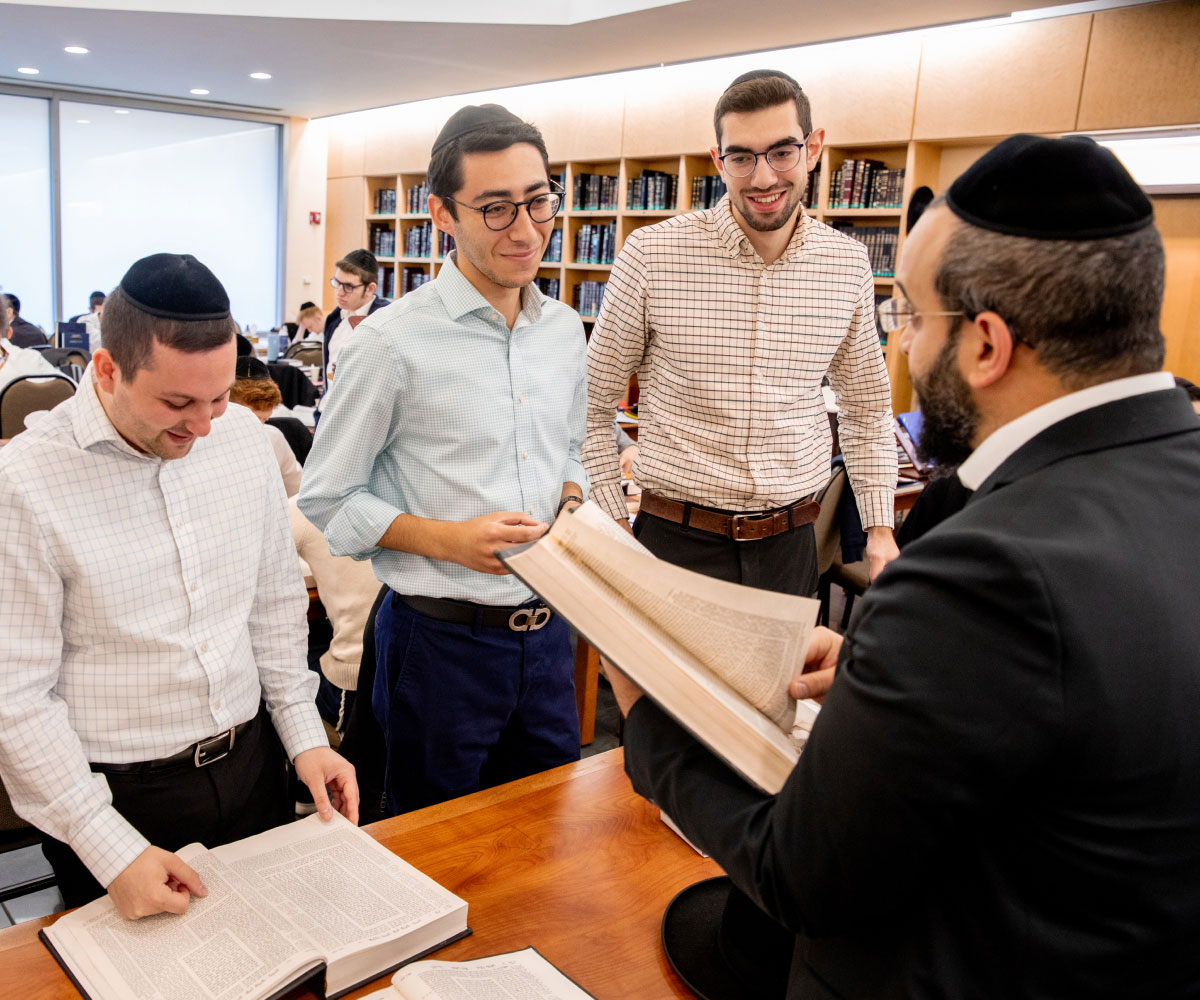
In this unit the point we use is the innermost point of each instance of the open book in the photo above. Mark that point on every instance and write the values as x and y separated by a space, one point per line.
523 974
717 656
283 907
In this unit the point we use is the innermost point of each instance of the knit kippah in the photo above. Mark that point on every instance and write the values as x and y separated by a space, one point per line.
470 118
1050 189
175 286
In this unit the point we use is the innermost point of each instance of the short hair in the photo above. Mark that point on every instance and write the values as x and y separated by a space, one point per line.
96 299
362 264
759 92
130 333
14 303
4 323
445 175
311 310
1189 387
1089 308
256 393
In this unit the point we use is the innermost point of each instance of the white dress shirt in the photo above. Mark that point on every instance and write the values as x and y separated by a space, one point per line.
146 605
1001 443
337 339
17 361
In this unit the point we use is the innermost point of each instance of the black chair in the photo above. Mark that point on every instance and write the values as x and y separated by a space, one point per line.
307 352
298 437
363 743
59 356
29 394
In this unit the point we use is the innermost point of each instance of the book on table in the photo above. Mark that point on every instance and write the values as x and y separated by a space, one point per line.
310 902
525 974
716 656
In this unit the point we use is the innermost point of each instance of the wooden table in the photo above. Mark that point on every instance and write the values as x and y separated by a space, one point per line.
570 860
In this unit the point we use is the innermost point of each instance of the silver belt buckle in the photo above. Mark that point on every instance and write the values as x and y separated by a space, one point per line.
533 620
200 756
740 519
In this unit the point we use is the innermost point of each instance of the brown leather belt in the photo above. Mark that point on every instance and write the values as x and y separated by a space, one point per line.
739 527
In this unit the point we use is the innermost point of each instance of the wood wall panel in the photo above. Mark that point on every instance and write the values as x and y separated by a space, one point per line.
579 120
382 139
1178 220
345 226
672 119
346 138
1023 77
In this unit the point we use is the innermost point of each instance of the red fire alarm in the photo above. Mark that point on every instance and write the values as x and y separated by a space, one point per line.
314 218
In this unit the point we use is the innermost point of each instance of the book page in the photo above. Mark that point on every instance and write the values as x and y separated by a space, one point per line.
752 639
230 945
518 975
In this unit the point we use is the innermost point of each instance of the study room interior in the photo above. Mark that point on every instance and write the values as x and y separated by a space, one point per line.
270 140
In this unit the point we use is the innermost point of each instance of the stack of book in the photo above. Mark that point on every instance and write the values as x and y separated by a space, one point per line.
548 287
385 201
866 184
594 193
383 241
553 254
413 277
587 297
418 240
596 244
655 189
881 243
385 283
707 191
445 244
814 187
417 198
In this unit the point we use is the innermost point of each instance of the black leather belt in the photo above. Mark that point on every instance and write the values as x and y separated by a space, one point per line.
520 619
198 754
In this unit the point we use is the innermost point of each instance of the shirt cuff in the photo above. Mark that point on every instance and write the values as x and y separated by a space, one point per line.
877 508
575 473
108 844
299 728
612 500
359 525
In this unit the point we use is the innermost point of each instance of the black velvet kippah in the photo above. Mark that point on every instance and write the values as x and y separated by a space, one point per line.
470 118
251 367
175 286
1050 189
759 74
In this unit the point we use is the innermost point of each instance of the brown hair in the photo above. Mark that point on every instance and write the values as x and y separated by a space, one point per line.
362 264
256 393
129 333
758 90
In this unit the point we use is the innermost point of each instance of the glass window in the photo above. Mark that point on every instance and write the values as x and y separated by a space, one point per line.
26 257
139 182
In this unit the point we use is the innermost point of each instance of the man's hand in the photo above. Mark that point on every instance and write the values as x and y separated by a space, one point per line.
820 660
156 881
321 769
627 458
624 690
472 543
881 548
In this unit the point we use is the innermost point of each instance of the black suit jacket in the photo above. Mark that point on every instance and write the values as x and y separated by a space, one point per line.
25 334
332 322
1001 796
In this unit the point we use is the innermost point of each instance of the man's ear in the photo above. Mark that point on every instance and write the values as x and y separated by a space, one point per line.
441 215
105 369
715 153
986 348
816 142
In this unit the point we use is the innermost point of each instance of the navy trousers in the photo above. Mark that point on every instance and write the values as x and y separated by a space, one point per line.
465 707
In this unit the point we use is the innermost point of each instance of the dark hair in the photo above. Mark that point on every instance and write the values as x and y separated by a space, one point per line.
445 176
13 303
130 334
362 264
751 92
1189 387
1090 308
96 299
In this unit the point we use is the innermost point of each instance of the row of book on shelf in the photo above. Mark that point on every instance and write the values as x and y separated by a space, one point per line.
594 192
383 241
596 243
385 201
866 184
553 254
881 243
655 189
707 191
587 297
549 287
412 278
416 198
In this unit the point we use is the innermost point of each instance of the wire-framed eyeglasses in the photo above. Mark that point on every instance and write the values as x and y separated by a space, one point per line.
781 159
895 313
345 286
499 215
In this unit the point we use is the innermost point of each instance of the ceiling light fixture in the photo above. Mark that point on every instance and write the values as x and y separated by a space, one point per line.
76 50
260 76
198 91
28 70
120 111
83 121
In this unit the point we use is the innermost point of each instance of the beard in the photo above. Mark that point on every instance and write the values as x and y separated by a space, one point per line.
949 416
777 220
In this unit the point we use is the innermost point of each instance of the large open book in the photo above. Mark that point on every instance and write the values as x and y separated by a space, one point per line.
312 900
717 656
524 974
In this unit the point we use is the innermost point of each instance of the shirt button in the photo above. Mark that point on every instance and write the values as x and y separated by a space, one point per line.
217 705
520 399
525 455
495 317
179 524
204 647
194 585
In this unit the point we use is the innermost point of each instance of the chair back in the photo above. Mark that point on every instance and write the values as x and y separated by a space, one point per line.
826 528
29 394
307 352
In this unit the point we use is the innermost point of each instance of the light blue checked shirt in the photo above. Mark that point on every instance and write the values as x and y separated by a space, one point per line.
439 411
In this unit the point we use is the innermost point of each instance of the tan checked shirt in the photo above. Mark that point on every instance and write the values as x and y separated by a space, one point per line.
730 354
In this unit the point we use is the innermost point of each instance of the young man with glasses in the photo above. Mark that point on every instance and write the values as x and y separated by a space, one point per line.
354 280
454 428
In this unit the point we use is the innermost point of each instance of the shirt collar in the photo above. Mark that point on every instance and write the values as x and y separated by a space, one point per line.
460 297
364 309
1001 443
91 424
733 238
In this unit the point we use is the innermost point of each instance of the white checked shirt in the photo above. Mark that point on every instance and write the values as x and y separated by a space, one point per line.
144 605
730 353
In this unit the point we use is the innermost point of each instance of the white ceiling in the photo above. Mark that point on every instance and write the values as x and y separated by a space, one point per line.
323 65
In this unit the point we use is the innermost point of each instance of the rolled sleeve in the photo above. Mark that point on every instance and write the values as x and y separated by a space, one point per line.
574 472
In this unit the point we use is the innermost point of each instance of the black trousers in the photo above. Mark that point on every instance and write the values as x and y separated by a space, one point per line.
786 564
235 797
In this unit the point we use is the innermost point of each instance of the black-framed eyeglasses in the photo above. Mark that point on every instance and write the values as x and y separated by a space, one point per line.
344 286
781 159
499 215
895 313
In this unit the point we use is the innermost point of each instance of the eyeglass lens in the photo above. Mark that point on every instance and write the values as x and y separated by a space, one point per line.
501 214
781 159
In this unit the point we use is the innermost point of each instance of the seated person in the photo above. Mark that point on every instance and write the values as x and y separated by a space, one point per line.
347 588
256 390
21 332
17 361
310 321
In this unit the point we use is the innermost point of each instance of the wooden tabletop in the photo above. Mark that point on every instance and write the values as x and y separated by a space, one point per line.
571 861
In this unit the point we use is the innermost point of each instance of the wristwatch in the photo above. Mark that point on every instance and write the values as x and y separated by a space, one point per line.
566 500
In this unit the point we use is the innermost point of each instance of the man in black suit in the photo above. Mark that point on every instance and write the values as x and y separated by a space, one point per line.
23 333
1001 796
354 281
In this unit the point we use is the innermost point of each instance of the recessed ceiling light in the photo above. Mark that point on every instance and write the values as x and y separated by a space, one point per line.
83 121
198 91
76 50
28 70
260 76
120 111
